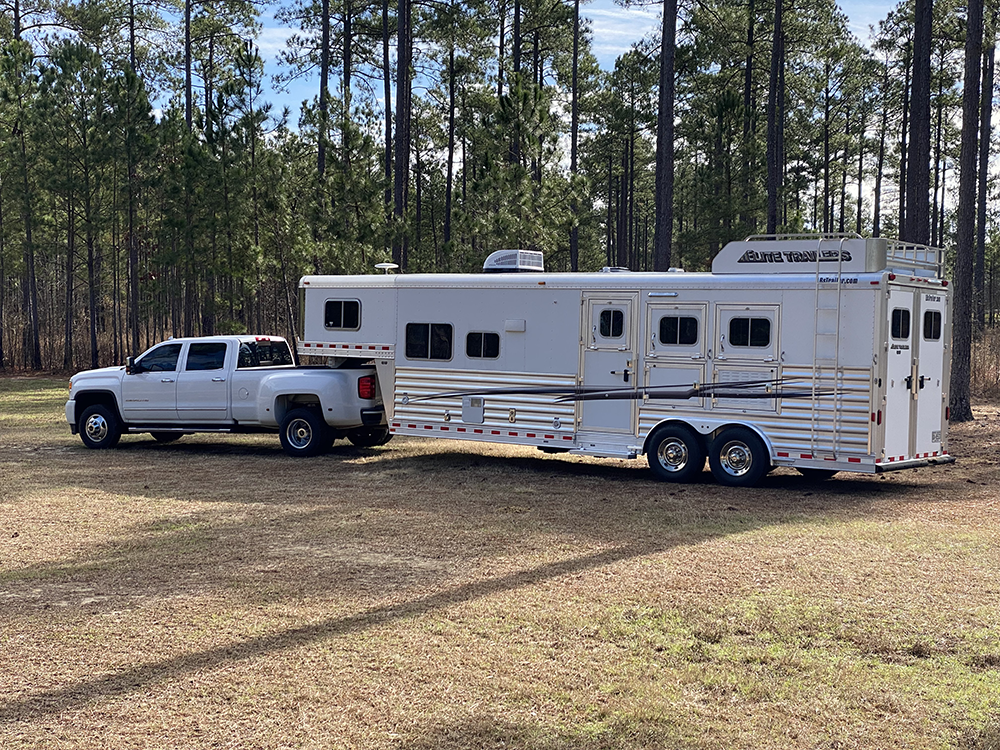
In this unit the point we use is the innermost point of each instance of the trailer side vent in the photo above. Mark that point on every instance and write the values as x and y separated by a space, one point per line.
514 261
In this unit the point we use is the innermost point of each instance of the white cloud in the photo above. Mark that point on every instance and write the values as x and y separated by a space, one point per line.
616 29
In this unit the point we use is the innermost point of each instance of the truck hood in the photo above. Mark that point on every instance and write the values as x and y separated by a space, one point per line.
99 372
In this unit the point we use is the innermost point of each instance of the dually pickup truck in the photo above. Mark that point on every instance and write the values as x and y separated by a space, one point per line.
228 384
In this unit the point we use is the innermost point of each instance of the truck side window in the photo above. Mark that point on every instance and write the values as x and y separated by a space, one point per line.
750 332
612 324
343 314
428 340
482 345
161 359
678 330
901 323
932 325
207 356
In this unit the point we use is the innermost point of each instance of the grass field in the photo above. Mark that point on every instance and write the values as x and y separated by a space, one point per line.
213 593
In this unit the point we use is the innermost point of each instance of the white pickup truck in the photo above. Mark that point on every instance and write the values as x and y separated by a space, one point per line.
228 384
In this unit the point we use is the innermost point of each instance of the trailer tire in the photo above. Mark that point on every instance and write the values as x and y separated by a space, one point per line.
304 433
676 454
738 457
166 437
817 475
369 437
98 427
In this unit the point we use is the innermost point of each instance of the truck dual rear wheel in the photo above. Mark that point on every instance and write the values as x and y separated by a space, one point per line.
676 454
304 433
738 457
98 427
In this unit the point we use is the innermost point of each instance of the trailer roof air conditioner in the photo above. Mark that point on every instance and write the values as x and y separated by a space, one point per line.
514 261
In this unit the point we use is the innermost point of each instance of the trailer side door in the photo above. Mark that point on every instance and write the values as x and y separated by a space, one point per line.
608 362
928 385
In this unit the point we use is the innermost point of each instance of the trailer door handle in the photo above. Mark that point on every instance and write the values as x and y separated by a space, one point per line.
624 373
922 379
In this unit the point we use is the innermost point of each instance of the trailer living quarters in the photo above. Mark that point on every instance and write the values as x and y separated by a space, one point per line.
825 354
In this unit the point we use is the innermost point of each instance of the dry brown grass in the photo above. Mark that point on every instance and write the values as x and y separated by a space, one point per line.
213 593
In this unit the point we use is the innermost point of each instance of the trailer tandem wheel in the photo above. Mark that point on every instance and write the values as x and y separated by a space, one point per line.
676 453
738 457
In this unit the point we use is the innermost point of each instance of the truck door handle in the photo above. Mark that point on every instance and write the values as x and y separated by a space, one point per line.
218 380
166 380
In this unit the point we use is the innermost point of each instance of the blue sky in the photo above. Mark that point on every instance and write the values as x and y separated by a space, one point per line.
614 28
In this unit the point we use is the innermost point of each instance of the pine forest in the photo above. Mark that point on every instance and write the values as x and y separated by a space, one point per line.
149 188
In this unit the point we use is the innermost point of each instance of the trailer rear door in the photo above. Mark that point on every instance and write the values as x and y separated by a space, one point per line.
928 383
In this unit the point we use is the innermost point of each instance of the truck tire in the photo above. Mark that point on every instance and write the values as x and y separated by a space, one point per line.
98 427
304 433
738 458
676 454
166 437
369 437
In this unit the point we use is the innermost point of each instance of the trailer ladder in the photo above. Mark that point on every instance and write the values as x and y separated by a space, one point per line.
826 353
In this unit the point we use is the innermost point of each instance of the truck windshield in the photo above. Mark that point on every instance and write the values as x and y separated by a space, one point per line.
264 354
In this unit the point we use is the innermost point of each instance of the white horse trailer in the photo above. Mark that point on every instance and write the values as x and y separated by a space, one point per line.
823 353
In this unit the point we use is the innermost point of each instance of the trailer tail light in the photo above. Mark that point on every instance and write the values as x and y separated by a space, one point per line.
366 387
947 414
877 417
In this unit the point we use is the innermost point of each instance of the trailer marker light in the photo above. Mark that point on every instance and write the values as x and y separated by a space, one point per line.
947 414
892 277
478 432
428 427
549 437
879 420
854 460
494 432
511 434
944 282
783 455
529 434
875 283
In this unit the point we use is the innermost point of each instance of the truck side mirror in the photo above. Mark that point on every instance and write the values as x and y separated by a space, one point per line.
129 365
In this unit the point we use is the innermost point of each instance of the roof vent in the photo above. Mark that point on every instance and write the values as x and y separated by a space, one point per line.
514 261
615 269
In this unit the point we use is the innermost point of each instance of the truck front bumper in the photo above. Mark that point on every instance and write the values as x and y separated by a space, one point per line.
71 415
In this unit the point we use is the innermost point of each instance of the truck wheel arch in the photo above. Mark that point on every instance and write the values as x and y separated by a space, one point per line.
286 402
86 399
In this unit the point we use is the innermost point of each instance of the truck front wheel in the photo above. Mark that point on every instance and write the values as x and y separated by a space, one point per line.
304 433
98 427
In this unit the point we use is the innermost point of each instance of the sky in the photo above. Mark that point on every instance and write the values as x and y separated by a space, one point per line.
615 29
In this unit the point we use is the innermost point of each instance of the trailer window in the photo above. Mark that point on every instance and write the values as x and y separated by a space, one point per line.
901 324
750 332
207 356
678 330
343 314
428 340
932 325
482 345
612 324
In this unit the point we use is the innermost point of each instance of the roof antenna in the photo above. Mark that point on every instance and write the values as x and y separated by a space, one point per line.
386 267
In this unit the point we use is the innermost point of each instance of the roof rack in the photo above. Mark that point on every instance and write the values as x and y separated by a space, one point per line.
911 256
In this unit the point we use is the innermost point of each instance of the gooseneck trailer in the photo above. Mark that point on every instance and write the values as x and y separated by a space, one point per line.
825 354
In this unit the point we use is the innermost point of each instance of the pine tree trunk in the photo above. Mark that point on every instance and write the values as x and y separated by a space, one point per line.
324 88
903 143
917 226
574 138
450 166
985 118
404 53
773 150
961 399
664 224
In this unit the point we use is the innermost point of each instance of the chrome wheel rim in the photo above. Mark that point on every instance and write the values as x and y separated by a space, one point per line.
736 458
96 427
673 454
299 433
